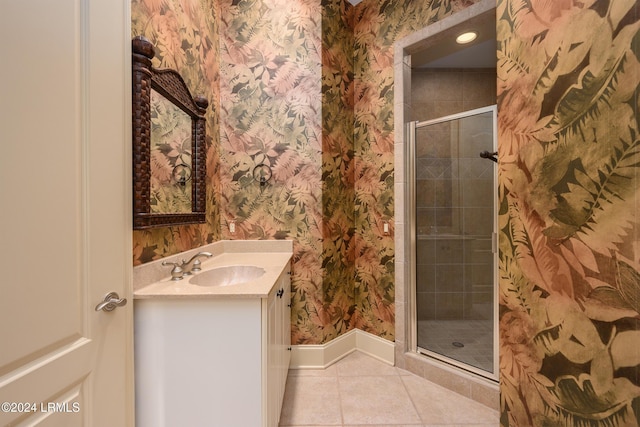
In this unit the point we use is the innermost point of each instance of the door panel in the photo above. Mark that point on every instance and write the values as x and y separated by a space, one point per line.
64 227
43 138
455 217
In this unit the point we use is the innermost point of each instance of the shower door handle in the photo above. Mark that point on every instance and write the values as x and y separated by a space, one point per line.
490 156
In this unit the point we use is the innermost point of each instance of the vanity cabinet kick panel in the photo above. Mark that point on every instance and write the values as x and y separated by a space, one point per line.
220 362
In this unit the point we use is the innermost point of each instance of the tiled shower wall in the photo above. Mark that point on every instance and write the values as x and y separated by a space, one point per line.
444 91
454 196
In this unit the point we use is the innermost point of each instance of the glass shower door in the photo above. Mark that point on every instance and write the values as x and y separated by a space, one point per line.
455 249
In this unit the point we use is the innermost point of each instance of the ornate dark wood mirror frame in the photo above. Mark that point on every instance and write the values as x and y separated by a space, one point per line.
169 84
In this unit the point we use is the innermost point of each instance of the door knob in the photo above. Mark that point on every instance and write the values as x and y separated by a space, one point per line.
110 302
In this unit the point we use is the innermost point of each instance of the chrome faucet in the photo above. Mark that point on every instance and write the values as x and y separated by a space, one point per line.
194 263
186 267
176 272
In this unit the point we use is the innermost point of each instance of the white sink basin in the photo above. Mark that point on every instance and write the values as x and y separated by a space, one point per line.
227 276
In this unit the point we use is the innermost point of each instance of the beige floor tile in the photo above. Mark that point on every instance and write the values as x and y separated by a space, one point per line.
360 364
376 400
361 391
401 371
330 371
438 406
310 400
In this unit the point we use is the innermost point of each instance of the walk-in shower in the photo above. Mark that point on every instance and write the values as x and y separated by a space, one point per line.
453 196
445 204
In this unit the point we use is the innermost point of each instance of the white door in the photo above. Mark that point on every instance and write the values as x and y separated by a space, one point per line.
65 213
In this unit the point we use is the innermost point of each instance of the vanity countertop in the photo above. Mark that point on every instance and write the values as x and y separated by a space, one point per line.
273 258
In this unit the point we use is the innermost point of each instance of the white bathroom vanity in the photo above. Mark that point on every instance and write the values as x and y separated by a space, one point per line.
213 349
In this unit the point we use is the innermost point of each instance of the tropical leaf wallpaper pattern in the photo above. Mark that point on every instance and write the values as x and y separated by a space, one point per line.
271 106
377 26
568 92
568 81
185 36
287 94
338 166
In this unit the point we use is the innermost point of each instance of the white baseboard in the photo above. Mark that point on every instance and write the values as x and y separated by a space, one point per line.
324 355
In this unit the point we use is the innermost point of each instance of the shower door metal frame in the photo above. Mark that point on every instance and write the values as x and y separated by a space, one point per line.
410 165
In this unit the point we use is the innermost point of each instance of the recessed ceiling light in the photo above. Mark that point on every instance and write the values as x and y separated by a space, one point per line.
467 37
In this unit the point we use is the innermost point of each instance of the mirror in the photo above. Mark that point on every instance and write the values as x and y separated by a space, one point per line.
169 164
170 157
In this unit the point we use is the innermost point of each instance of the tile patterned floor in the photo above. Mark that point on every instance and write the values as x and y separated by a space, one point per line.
359 390
475 335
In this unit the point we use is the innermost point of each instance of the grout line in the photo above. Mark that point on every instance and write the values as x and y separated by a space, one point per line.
398 372
340 398
415 408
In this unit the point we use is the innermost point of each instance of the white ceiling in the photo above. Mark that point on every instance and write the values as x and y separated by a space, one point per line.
479 55
448 54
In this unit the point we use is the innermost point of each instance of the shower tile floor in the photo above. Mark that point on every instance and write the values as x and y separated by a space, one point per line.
476 336
359 390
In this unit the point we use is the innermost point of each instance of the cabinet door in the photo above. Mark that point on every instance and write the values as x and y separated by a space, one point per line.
286 324
284 333
198 362
278 329
273 359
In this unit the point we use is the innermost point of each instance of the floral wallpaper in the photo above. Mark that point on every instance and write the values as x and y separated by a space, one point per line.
185 36
280 86
306 88
337 166
281 79
171 157
377 26
290 99
271 62
569 144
